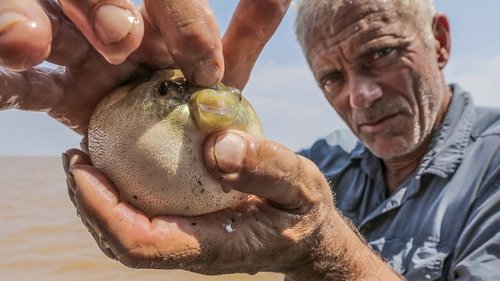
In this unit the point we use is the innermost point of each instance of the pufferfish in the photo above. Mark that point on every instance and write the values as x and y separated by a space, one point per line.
147 138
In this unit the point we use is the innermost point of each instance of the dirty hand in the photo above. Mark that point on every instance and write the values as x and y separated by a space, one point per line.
100 44
277 229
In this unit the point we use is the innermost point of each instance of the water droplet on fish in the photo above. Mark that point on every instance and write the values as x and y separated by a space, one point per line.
229 226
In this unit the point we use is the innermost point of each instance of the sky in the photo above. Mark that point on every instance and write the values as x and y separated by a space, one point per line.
282 90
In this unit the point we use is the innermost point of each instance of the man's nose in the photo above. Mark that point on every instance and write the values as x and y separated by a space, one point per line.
364 91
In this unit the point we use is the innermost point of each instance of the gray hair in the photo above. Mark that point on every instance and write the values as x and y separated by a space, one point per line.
314 13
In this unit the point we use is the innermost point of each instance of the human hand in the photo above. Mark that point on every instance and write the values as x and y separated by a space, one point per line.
98 54
285 219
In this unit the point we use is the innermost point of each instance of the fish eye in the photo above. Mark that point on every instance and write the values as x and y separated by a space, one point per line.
163 88
178 86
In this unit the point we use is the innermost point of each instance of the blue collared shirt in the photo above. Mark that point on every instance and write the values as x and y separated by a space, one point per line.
443 223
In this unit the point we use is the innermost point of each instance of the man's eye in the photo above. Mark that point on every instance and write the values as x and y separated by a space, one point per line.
381 57
330 82
382 53
331 78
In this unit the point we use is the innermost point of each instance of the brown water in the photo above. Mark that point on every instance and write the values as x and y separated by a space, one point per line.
41 237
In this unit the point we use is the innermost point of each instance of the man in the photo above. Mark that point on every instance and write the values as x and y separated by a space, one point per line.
414 187
421 186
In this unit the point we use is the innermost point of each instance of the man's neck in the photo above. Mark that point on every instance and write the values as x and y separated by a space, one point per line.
398 170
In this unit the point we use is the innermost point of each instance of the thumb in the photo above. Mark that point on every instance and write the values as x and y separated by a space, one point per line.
266 169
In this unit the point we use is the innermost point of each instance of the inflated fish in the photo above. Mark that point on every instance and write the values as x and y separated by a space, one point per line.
147 138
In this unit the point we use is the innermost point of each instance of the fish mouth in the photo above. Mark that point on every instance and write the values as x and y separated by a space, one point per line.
214 110
217 110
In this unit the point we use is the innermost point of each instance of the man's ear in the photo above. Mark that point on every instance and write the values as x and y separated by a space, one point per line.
441 29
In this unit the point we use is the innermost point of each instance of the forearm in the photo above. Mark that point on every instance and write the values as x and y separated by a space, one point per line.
340 253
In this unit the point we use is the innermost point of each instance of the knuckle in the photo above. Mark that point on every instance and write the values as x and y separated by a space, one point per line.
278 5
317 187
192 32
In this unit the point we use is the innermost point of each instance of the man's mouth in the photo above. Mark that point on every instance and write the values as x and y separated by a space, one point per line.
378 125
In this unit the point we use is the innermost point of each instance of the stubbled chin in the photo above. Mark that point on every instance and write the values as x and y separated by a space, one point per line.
392 147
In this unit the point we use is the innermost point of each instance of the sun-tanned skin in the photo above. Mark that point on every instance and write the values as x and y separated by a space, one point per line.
292 212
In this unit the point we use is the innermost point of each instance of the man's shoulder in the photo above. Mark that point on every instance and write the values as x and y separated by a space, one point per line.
343 139
335 146
487 123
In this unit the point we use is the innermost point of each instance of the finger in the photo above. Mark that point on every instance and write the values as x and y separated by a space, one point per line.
129 233
100 240
70 159
251 27
25 34
74 157
28 89
69 46
68 95
153 50
192 36
114 27
264 168
48 90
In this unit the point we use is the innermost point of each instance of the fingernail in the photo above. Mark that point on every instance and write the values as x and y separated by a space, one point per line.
70 181
112 24
8 19
229 153
84 145
207 74
65 162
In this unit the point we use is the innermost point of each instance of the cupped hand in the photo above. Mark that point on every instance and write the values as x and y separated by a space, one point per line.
100 44
274 230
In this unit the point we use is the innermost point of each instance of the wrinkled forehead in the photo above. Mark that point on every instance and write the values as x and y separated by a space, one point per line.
349 16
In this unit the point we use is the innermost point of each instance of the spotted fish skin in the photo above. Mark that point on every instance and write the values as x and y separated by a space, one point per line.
147 138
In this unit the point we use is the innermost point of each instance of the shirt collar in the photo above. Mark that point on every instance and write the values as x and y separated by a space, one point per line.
448 145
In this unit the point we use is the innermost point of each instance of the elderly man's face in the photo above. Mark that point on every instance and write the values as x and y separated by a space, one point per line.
377 72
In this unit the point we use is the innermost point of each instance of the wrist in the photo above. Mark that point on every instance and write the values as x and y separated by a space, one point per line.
324 260
338 252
